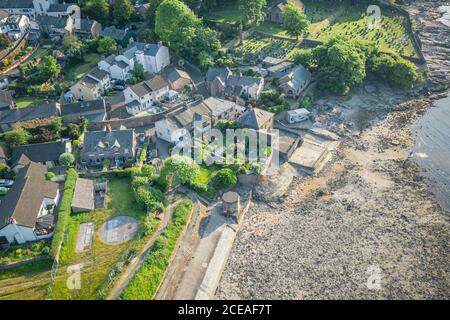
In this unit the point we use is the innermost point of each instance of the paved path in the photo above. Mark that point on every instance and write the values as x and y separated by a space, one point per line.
195 252
128 274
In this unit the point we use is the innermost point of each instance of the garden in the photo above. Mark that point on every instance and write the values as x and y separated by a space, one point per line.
103 262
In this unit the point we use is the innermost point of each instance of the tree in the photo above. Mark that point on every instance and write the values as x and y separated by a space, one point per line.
72 47
66 159
253 10
50 69
341 65
173 20
295 22
97 9
138 73
304 57
145 35
225 124
122 11
225 178
396 70
178 26
107 46
16 137
5 41
180 169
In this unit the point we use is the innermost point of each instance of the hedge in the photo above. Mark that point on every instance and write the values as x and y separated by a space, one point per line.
64 211
146 281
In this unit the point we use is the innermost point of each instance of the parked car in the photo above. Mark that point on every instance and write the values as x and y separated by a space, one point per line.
6 183
118 87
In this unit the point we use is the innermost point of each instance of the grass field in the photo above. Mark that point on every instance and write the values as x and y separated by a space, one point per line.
28 282
74 72
102 258
24 102
228 13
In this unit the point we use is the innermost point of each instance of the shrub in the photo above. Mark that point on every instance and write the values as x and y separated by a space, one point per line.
148 171
49 175
66 159
151 198
225 178
139 181
64 211
6 172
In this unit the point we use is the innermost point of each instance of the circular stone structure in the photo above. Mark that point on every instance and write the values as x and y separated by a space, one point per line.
118 230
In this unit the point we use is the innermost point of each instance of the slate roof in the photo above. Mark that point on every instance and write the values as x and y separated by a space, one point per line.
145 87
16 4
43 111
157 82
111 59
243 81
107 139
218 106
23 201
55 22
185 117
59 7
83 107
149 49
176 74
40 152
296 78
113 32
98 74
6 99
222 73
86 25
254 119
280 66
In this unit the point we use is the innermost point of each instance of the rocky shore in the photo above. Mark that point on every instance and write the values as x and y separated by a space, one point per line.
368 215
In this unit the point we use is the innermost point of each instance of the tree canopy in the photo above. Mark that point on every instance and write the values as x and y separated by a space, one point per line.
107 46
180 169
341 65
253 10
123 10
295 22
178 26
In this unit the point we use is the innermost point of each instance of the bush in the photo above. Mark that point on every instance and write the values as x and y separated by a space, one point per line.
225 178
64 211
144 284
150 198
148 171
6 172
49 175
66 159
139 181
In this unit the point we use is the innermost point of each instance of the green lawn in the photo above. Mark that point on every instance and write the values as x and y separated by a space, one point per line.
273 29
74 72
24 102
225 14
102 258
27 282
